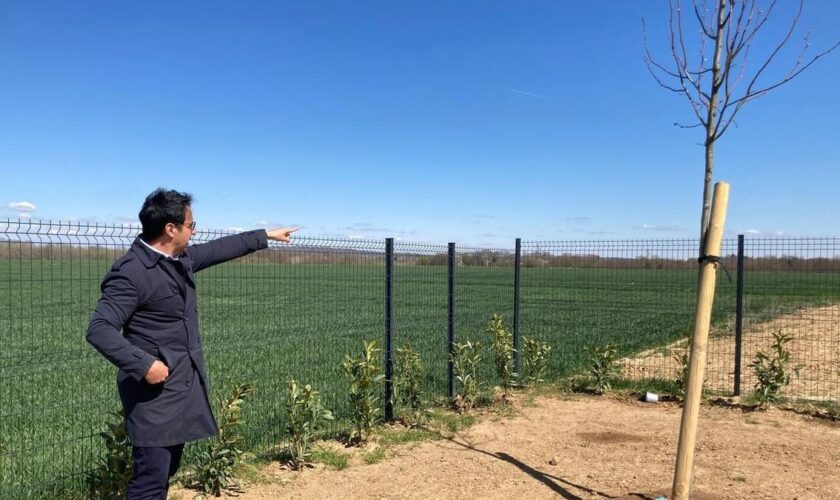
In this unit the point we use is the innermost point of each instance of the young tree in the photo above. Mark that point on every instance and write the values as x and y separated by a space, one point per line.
719 87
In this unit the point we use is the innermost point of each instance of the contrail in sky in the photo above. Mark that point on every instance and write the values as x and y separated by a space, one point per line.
532 94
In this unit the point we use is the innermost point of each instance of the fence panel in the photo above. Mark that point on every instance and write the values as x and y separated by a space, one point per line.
483 287
420 306
792 286
292 311
55 391
638 295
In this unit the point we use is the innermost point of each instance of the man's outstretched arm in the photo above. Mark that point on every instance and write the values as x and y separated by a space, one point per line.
226 248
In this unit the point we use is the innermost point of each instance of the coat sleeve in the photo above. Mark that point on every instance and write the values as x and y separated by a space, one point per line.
118 302
226 248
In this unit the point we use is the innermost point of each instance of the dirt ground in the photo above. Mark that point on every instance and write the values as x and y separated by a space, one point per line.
588 447
815 347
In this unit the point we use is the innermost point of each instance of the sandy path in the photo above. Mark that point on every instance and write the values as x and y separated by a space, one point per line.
602 448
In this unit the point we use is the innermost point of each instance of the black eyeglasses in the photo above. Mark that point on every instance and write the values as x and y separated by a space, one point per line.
191 225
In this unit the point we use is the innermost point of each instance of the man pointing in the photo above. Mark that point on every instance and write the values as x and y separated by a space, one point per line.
146 323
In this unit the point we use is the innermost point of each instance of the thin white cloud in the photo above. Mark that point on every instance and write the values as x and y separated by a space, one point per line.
335 236
366 227
236 229
578 220
268 224
531 94
660 228
759 232
22 206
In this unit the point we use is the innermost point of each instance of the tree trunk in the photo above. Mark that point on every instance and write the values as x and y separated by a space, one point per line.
707 186
712 122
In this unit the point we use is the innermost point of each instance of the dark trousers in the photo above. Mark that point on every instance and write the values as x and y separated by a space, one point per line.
153 466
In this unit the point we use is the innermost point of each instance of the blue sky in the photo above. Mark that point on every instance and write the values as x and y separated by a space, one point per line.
467 121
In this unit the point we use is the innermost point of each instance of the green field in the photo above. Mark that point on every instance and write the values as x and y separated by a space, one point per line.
266 323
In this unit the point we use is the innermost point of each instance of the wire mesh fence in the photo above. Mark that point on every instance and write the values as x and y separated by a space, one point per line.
291 311
792 287
294 311
483 287
420 308
55 391
636 295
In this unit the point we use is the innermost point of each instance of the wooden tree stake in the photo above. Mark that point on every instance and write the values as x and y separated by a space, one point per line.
700 337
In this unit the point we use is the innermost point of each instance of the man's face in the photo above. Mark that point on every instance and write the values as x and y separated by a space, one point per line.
183 232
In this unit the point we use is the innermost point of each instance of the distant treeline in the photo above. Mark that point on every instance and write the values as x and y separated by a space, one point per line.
291 255
770 263
11 251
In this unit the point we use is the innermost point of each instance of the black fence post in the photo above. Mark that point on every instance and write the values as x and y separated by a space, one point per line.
517 260
389 323
450 322
739 315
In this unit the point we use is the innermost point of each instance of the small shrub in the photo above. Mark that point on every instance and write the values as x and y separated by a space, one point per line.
681 380
306 415
408 384
502 347
110 479
773 371
682 374
331 458
534 359
465 361
366 378
447 423
374 456
601 366
217 464
396 435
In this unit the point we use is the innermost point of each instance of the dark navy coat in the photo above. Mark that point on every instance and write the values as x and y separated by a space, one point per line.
148 311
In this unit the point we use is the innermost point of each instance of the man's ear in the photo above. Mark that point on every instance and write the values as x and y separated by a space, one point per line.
169 229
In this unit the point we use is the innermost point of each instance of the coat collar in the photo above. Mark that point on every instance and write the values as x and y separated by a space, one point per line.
150 258
147 256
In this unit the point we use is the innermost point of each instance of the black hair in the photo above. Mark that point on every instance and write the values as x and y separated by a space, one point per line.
163 206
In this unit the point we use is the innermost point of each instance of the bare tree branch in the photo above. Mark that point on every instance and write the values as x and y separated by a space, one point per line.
722 124
681 37
714 86
701 20
779 46
805 45
682 63
758 93
737 24
743 45
651 63
702 70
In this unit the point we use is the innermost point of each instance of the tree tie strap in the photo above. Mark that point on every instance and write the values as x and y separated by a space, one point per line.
715 259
